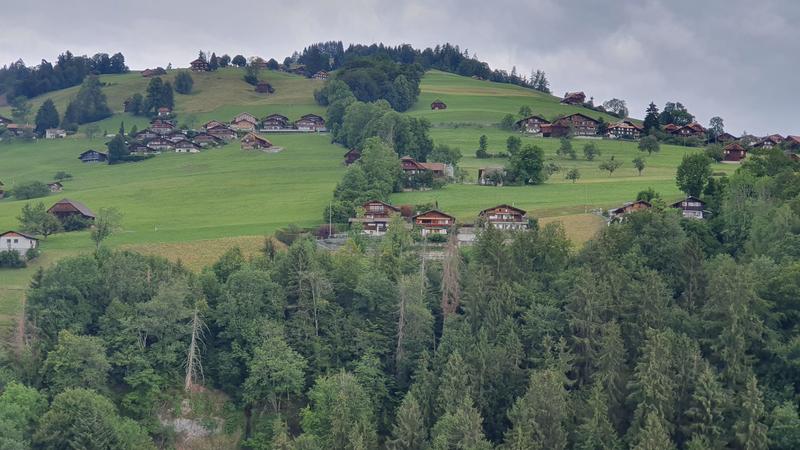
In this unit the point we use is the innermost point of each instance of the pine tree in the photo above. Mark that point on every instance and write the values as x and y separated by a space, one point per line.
651 118
707 411
612 370
654 385
596 432
750 430
654 435
454 385
47 116
451 286
538 418
460 429
409 432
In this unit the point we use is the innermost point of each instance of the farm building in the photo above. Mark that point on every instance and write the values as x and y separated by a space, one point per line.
275 122
532 124
505 217
726 137
199 65
574 98
65 208
310 122
93 156
186 146
351 156
691 207
491 176
160 144
245 116
433 222
770 141
14 240
627 208
792 142
55 186
377 215
252 141
222 133
145 135
212 124
625 130
243 125
437 105
54 133
19 130
147 73
161 126
264 88
411 166
554 129
579 123
176 136
205 140
141 150
733 152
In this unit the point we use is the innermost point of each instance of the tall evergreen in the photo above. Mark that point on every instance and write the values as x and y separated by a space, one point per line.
47 116
651 116
750 429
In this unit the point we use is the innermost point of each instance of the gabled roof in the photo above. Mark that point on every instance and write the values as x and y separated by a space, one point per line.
394 208
434 166
25 235
521 211
793 139
629 204
578 114
198 61
408 159
690 198
276 116
353 151
91 151
535 116
696 127
312 117
733 146
83 209
434 212
253 136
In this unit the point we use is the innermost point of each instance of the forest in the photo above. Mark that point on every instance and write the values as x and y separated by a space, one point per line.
661 333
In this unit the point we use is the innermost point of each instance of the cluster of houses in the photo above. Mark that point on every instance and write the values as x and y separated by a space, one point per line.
62 209
17 130
377 216
273 123
201 65
691 208
411 167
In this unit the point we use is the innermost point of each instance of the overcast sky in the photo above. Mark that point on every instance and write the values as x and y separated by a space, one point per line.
734 58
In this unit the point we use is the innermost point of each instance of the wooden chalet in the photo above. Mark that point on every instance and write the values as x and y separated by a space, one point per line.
627 208
199 65
252 141
140 149
297 69
164 112
66 208
733 153
147 73
792 142
205 140
671 128
93 156
54 133
438 169
243 125
625 130
691 207
410 166
186 146
554 130
310 122
175 136
693 129
505 217
222 133
433 222
491 176
160 144
726 137
437 105
213 124
264 88
274 122
532 124
351 156
770 141
145 135
321 75
377 215
16 241
161 126
580 124
574 98
19 130
245 116
55 186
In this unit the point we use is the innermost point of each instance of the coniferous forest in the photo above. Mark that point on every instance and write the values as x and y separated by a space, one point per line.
661 333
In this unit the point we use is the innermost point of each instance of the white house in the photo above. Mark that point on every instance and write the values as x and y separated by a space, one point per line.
54 133
14 240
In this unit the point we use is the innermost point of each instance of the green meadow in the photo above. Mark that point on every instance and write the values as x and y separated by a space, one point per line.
194 206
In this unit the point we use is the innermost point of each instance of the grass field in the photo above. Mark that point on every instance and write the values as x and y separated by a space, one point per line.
193 207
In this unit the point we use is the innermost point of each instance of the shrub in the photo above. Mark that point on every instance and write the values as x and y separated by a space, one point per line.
61 176
34 189
75 223
289 234
437 238
11 259
32 254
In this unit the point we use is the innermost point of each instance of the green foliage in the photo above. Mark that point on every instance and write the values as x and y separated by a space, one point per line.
651 121
118 150
446 154
184 82
34 219
693 174
372 79
784 432
11 259
610 165
565 149
513 144
639 163
89 105
159 94
508 122
47 116
539 418
276 372
527 166
105 224
76 361
20 109
573 174
31 189
649 144
590 150
409 432
20 410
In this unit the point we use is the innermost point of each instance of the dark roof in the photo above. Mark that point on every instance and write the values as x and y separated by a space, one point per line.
382 203
83 209
535 116
521 211
433 211
19 233
687 199
734 147
91 151
579 114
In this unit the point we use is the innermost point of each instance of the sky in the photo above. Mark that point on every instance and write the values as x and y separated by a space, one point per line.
737 59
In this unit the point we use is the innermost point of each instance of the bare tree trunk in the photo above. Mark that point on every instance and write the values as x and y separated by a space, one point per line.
451 289
194 365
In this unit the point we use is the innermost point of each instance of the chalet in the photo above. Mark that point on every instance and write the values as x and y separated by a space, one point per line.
19 130
792 142
145 135
321 75
222 133
297 69
627 208
175 136
275 122
310 122
671 128
5 121
161 126
16 241
246 116
491 176
160 144
264 88
252 141
770 141
243 125
147 73
438 169
186 146
726 137
55 186
532 124
164 112
624 130
377 215
437 105
410 166
691 207
574 98
54 133
65 208
351 156
693 129
141 149
505 217
733 153
199 65
93 156
212 124
433 222
580 124
554 130
205 140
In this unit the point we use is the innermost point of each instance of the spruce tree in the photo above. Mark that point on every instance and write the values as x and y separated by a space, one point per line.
454 384
651 118
409 431
750 430
538 418
461 428
654 435
46 116
707 411
596 431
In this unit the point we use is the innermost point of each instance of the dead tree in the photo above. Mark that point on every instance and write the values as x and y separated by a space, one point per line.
451 289
194 365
